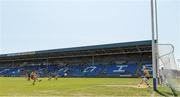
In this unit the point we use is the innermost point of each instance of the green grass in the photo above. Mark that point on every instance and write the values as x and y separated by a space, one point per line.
77 87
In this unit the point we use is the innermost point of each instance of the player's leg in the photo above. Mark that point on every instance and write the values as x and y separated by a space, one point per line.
142 80
147 82
34 81
39 80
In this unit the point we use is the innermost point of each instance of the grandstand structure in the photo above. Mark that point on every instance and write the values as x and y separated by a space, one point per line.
107 60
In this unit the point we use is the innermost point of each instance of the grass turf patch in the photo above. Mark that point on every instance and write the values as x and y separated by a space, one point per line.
77 87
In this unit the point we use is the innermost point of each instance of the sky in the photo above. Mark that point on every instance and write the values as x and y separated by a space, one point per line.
31 25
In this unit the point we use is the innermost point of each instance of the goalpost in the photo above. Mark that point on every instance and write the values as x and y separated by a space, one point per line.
164 54
154 26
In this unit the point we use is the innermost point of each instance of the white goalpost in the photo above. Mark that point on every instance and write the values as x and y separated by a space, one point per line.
154 26
163 54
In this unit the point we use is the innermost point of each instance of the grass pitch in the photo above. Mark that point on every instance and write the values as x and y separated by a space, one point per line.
78 87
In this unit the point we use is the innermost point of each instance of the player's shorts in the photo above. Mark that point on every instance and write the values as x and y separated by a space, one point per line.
146 78
33 77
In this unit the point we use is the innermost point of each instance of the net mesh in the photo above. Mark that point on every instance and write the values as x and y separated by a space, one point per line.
169 70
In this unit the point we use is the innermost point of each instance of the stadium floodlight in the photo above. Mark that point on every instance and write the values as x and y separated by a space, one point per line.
154 25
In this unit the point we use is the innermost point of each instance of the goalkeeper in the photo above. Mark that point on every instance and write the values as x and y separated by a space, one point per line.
145 77
34 77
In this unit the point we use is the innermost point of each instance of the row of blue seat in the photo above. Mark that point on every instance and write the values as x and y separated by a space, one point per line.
113 70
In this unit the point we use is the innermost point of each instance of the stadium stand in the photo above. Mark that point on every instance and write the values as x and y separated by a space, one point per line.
111 60
112 70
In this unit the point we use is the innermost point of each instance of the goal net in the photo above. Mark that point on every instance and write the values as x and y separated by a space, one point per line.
169 71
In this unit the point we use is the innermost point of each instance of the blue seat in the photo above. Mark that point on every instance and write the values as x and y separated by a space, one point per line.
98 70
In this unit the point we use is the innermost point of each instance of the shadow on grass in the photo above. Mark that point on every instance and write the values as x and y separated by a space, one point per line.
174 92
167 94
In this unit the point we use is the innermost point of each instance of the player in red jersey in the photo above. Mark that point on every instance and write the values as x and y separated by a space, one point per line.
34 77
